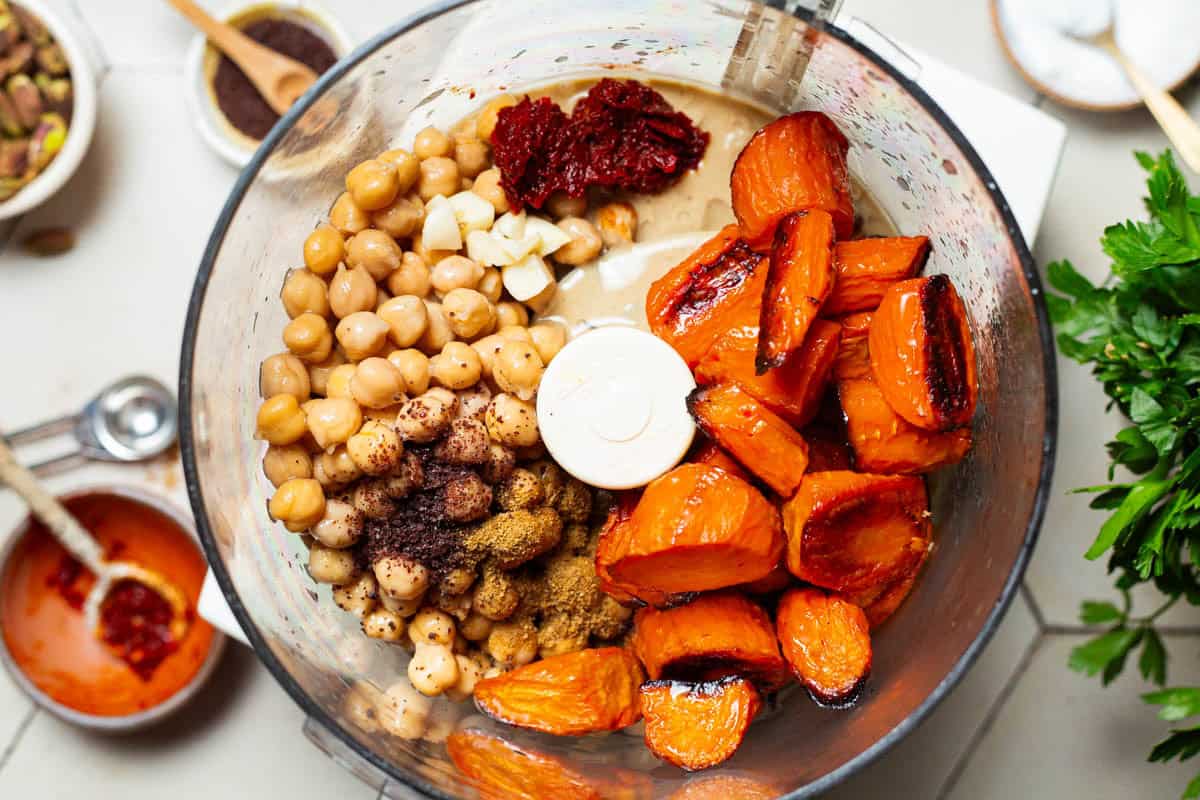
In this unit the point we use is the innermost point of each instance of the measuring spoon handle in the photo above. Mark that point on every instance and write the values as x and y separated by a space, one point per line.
43 430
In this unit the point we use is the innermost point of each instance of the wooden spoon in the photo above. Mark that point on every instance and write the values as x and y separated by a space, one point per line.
80 544
279 79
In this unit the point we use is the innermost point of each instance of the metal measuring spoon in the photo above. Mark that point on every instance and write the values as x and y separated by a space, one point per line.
134 419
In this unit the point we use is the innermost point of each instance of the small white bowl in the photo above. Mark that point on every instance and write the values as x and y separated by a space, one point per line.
233 146
83 116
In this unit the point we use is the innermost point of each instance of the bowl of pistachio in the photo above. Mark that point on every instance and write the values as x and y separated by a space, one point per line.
47 104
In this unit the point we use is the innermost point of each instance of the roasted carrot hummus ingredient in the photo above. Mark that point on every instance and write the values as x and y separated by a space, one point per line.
827 642
697 528
708 452
853 358
879 603
500 770
716 289
922 355
697 726
757 437
568 695
795 163
849 532
725 787
867 267
714 636
799 279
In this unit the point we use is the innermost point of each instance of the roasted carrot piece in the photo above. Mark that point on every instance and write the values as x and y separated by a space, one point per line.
500 770
795 163
800 277
569 695
777 581
714 636
884 442
867 267
793 390
708 452
879 603
698 725
761 440
612 544
828 448
849 532
827 641
726 787
853 359
697 528
715 289
922 354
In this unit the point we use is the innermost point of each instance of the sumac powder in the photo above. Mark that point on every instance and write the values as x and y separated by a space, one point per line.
237 97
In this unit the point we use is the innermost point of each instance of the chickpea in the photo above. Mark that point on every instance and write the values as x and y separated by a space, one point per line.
284 462
414 370
281 421
561 205
372 499
475 627
512 421
491 285
373 184
298 504
445 397
324 249
359 597
456 367
541 301
469 312
618 224
469 674
318 374
283 373
407 477
303 292
346 217
456 582
401 219
406 317
384 625
376 449
431 142
309 338
377 383
340 378
456 272
510 313
332 420
485 123
411 277
438 333
486 348
362 334
327 565
407 167
473 401
518 368
404 713
375 251
439 175
341 525
386 415
472 157
381 297
585 242
426 254
467 498
423 419
336 469
513 643
496 596
548 339
351 291
361 706
433 669
487 185
500 464
404 608
401 577
430 626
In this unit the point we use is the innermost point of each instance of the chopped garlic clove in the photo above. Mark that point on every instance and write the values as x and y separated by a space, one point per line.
527 278
472 212
552 237
490 250
440 231
519 248
511 225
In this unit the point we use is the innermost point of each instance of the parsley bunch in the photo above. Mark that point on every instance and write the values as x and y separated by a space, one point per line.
1140 331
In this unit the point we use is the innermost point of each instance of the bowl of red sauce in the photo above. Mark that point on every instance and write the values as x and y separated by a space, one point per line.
134 673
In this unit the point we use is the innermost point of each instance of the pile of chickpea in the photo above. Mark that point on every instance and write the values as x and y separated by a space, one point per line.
391 343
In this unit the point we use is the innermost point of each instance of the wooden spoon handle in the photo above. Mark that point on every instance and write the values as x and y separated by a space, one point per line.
1175 121
233 42
52 514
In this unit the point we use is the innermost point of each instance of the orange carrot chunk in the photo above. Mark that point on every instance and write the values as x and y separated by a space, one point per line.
500 770
761 440
827 642
867 267
800 277
611 546
795 163
697 726
569 695
879 603
708 452
726 787
884 442
922 354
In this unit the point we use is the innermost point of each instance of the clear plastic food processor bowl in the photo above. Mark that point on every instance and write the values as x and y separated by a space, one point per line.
440 65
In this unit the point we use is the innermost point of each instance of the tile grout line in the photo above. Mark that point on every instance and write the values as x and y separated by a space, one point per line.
1036 610
1086 630
11 748
989 719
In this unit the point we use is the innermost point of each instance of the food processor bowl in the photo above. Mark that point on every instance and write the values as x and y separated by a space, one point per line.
440 65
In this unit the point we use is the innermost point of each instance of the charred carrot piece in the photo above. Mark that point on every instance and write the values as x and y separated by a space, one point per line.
500 770
708 452
714 636
853 359
922 354
695 529
795 163
761 440
867 267
799 278
777 581
698 725
849 532
827 642
879 603
569 695
793 390
828 447
612 545
886 443
726 787
716 289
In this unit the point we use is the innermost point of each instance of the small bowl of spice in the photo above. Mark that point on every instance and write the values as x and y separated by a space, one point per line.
233 117
135 672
